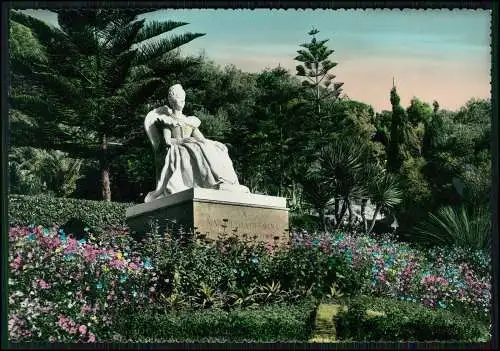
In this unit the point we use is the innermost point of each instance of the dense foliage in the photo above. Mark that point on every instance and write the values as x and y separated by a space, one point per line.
47 210
392 320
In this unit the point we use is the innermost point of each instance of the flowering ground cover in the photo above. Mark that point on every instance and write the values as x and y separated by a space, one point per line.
68 290
440 278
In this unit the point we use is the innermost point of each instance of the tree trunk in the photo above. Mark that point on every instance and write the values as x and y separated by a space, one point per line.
105 182
363 215
377 210
343 210
349 210
323 217
336 213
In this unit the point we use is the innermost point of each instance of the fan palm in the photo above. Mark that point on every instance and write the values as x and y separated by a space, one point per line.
315 192
385 193
102 66
339 166
52 168
449 226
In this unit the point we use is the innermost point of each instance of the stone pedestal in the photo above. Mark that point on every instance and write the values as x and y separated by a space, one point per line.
212 211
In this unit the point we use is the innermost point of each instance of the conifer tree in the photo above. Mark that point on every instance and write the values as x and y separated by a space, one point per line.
395 155
315 67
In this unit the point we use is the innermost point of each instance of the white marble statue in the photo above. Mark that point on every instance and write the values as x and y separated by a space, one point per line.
191 160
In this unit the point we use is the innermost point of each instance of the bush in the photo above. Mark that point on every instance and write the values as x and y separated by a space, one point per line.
47 211
271 323
404 321
306 222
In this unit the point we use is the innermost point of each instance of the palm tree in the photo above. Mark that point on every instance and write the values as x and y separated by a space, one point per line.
59 172
384 193
102 66
449 226
316 192
339 166
33 169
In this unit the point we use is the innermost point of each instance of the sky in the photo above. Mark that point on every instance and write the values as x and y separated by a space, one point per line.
441 55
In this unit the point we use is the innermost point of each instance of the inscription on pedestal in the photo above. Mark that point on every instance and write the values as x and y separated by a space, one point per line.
212 212
266 223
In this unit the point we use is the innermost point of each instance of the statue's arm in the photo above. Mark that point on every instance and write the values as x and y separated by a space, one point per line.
167 135
198 135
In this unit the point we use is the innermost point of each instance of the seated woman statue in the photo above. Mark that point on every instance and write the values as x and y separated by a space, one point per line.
192 161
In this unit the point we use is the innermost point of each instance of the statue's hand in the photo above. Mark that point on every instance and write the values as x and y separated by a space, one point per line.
172 141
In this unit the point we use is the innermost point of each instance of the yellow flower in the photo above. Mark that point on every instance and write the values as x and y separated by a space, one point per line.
59 249
119 256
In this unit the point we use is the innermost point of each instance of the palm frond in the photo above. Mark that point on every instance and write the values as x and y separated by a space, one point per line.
141 90
124 38
156 28
61 87
46 34
117 74
160 47
46 109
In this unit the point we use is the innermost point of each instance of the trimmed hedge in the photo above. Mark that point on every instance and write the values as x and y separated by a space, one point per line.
271 323
24 210
396 320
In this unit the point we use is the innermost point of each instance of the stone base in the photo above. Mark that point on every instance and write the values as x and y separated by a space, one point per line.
211 212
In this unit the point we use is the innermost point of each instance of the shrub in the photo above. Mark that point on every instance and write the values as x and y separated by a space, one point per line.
47 211
271 323
404 321
456 227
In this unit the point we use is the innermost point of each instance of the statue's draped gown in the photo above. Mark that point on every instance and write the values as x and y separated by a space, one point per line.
191 163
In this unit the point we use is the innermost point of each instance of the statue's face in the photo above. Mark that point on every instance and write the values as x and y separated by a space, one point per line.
177 102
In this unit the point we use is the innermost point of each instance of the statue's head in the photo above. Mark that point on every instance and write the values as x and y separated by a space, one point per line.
176 97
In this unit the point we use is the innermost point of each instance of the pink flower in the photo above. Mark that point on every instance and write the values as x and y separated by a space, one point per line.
91 337
71 246
17 263
82 329
43 284
133 266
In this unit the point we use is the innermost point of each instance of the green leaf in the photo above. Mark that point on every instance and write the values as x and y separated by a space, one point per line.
156 28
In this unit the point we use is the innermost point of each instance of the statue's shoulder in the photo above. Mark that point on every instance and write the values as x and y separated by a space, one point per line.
193 121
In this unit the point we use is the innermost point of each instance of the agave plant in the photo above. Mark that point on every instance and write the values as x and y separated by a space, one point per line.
337 173
456 227
385 193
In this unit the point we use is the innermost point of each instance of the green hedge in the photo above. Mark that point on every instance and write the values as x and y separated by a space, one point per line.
47 211
404 321
271 323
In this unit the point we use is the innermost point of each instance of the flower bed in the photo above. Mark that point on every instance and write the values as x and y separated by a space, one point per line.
68 290
441 278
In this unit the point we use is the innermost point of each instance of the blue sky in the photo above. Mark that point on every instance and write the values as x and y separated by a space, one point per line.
433 54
